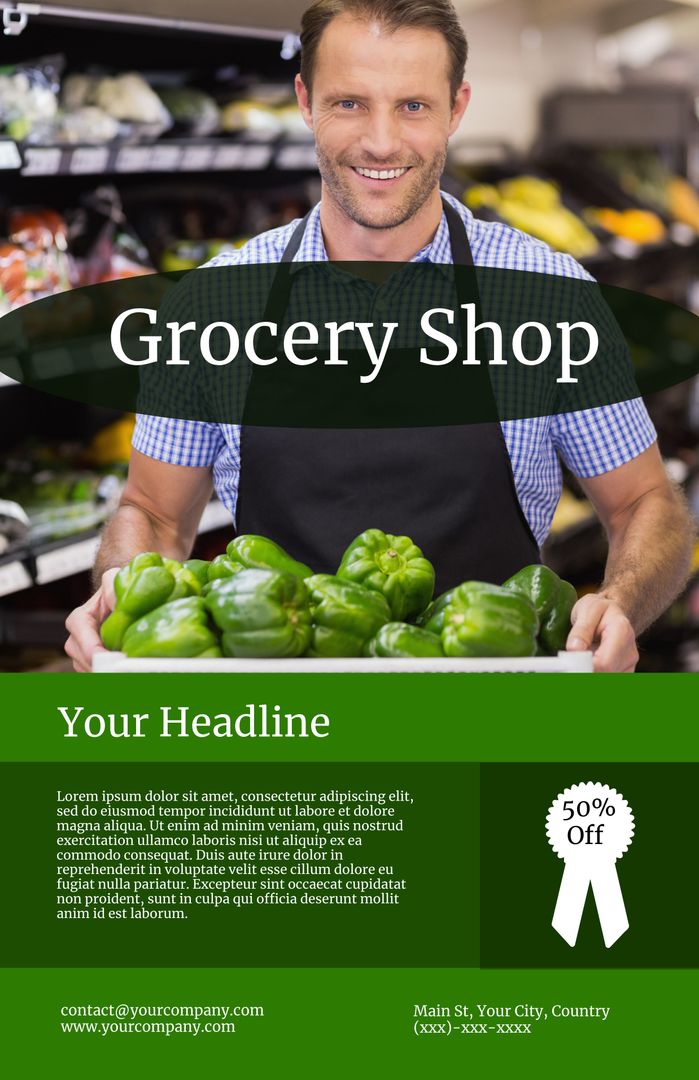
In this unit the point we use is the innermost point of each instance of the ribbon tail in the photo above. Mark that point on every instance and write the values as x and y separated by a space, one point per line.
610 903
571 902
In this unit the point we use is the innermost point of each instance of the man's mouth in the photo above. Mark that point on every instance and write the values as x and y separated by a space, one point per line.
381 174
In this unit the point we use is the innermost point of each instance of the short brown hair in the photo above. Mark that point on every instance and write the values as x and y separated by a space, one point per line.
438 15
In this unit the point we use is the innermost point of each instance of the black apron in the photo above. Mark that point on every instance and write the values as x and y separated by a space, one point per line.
451 489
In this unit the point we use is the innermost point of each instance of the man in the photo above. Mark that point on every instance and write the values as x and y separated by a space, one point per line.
381 87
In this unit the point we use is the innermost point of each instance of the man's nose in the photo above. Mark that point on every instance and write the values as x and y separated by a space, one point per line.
381 137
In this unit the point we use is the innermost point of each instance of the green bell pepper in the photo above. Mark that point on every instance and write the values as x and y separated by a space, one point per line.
489 621
553 599
186 584
180 628
262 613
222 567
259 553
397 639
556 625
432 618
146 591
344 616
144 583
140 585
200 569
539 583
393 566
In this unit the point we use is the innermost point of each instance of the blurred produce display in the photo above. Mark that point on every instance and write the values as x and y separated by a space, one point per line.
534 206
192 111
41 105
587 202
29 97
66 488
33 260
40 256
646 176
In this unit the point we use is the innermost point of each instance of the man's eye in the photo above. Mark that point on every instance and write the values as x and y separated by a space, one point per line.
414 106
347 105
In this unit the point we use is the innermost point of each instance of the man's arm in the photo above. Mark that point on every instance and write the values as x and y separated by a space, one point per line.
650 534
159 511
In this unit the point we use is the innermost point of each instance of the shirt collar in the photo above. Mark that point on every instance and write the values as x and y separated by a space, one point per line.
312 247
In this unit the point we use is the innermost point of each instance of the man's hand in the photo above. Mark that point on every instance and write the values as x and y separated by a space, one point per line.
159 511
600 624
651 535
84 623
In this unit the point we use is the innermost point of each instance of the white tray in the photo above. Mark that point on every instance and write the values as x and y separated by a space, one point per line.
570 662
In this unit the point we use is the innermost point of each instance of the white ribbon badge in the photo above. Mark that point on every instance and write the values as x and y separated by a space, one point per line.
590 826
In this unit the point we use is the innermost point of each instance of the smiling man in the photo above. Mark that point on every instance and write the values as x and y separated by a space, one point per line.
381 87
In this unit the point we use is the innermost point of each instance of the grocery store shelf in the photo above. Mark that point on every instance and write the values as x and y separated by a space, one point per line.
266 19
14 577
167 156
64 558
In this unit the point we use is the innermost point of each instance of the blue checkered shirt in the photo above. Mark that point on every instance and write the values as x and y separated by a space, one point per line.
590 442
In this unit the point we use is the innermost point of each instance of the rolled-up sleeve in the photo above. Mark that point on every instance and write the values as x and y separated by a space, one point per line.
595 441
178 442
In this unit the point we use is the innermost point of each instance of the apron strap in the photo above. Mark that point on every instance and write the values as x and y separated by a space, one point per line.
461 254
296 238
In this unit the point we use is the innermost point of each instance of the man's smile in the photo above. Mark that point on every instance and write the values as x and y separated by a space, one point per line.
383 176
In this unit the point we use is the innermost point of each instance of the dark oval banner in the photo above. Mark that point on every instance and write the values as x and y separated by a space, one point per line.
342 345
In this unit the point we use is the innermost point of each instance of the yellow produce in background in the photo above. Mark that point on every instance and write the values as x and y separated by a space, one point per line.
112 445
570 511
532 191
639 226
534 206
683 202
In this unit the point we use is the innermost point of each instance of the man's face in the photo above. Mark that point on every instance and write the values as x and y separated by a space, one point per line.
381 113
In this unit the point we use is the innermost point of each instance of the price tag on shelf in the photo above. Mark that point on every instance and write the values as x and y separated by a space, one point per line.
133 159
42 161
64 561
623 248
9 155
88 159
256 157
165 158
302 156
14 577
229 156
682 234
197 157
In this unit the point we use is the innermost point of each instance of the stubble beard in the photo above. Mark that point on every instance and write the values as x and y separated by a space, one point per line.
426 179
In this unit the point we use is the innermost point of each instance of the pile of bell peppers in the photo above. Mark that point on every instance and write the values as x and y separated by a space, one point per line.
256 600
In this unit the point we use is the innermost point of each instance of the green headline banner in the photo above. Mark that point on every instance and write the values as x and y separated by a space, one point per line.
382 717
